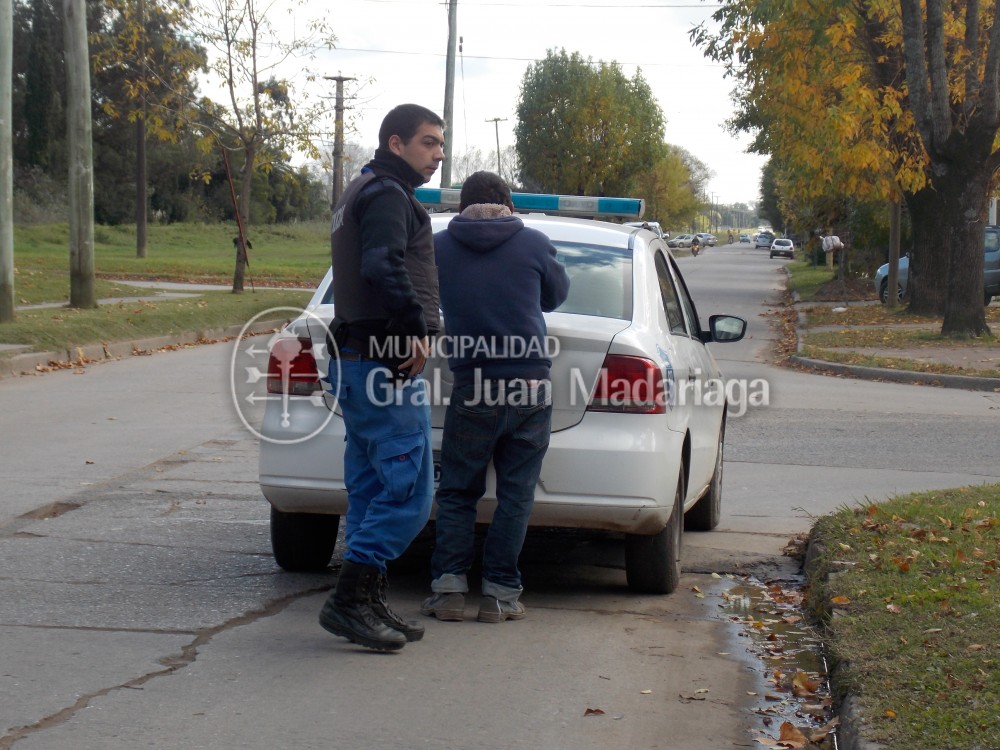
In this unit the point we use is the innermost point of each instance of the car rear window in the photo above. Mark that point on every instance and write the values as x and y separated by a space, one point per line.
600 280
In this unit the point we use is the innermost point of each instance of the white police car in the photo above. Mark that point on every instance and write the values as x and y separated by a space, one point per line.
639 408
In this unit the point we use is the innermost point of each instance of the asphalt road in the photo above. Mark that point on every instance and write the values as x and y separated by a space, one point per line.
140 607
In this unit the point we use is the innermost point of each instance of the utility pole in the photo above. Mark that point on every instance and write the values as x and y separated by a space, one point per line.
6 163
141 193
79 129
496 126
338 141
449 92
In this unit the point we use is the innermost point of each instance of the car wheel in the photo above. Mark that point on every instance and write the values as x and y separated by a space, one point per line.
771 256
303 542
988 298
883 292
653 562
707 512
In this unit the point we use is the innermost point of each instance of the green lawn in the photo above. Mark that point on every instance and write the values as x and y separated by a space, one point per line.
282 256
913 585
296 255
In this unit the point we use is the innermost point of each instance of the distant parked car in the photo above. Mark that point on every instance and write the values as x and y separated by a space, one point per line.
763 239
991 271
707 239
782 246
681 240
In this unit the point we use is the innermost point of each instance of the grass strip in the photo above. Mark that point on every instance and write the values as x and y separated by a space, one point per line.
64 328
285 255
914 591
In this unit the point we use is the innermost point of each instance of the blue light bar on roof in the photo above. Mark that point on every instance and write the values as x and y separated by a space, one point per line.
447 199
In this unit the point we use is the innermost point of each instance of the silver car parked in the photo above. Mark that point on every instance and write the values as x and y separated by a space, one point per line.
639 409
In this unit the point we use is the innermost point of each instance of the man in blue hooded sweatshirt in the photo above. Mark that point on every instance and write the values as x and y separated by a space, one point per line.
496 278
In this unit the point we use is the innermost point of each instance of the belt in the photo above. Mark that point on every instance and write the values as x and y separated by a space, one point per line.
351 356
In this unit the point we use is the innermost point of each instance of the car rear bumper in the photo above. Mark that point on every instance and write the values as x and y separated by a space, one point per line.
610 472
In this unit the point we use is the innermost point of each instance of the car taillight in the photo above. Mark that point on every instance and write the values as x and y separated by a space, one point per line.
629 385
291 368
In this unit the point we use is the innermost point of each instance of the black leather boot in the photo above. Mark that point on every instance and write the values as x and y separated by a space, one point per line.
413 630
348 611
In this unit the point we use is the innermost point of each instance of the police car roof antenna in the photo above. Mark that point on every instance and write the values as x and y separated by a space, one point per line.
239 219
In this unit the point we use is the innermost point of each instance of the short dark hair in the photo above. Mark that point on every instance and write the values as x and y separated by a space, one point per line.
404 121
484 187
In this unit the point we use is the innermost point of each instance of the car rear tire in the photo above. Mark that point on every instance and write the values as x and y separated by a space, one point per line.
303 542
653 563
707 512
883 292
988 298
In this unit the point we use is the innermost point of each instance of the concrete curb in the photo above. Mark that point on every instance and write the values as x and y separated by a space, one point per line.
850 731
965 382
27 363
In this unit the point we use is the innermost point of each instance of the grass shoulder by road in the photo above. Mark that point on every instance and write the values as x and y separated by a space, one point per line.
911 593
64 328
282 256
860 331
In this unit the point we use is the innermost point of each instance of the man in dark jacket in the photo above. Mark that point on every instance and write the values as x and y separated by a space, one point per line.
386 299
497 277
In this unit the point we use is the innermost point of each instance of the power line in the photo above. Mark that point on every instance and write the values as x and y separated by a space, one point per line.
502 59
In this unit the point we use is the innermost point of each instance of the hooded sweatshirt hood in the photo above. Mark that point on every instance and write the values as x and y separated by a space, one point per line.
484 227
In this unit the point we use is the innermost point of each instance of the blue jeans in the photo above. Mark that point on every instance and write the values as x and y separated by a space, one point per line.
515 437
388 466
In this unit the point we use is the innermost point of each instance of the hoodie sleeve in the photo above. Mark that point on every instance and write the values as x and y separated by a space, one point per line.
384 216
555 281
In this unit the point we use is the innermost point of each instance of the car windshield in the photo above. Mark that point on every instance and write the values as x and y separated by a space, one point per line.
600 279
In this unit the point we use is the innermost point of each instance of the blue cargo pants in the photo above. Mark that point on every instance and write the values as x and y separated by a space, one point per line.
388 465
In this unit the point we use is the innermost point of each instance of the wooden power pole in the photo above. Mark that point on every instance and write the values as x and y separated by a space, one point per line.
81 156
338 141
449 92
6 163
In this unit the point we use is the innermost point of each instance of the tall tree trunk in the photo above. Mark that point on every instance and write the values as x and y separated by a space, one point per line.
931 253
6 163
967 194
243 208
81 156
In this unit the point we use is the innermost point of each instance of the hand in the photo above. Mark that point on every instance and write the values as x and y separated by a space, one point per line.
415 364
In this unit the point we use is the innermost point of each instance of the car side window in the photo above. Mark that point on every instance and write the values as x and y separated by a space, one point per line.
687 304
668 293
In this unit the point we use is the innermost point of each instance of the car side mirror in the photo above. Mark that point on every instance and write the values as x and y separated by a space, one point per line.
725 329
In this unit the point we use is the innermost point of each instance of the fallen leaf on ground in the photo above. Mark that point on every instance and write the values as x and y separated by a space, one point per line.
593 712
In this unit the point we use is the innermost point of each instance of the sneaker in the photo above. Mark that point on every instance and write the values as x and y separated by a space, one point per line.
447 606
492 609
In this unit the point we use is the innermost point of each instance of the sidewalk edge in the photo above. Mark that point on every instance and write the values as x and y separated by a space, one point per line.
29 362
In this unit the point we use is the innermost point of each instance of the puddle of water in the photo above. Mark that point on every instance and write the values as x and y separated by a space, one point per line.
786 653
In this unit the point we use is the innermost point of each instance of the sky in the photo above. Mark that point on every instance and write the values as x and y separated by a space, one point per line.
396 50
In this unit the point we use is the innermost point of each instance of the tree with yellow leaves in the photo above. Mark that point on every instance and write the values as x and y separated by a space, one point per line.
876 100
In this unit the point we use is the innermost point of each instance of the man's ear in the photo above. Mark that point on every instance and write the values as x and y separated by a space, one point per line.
395 144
